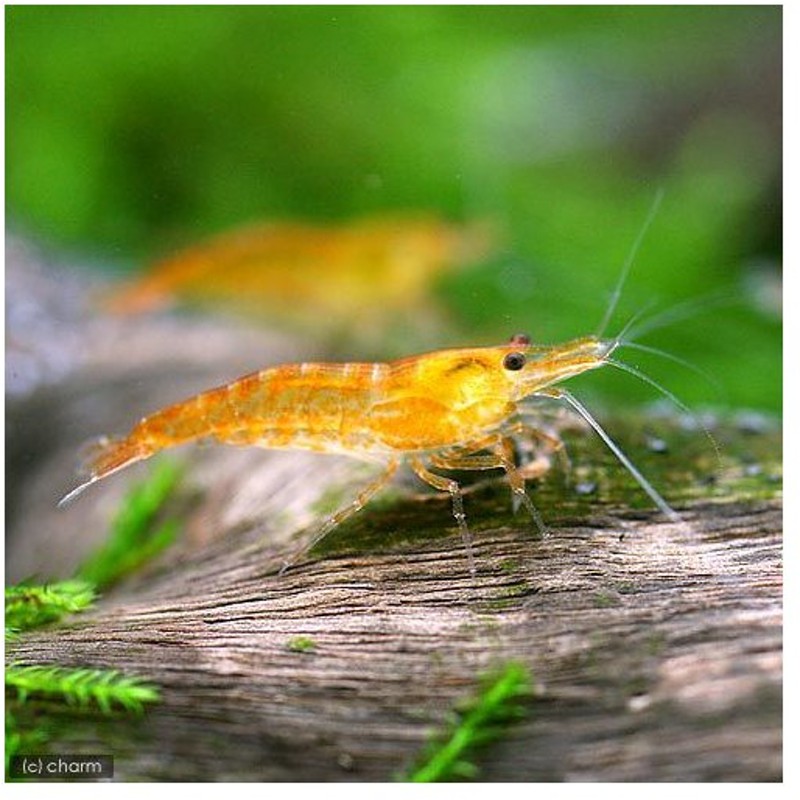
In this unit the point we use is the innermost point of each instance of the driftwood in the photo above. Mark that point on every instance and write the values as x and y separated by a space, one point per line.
654 646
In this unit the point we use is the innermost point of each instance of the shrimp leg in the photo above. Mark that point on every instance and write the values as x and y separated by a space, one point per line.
552 443
454 489
340 516
502 457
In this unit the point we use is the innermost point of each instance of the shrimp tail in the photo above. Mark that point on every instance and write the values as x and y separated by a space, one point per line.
105 456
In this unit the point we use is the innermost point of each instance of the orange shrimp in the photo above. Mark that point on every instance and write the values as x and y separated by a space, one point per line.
448 409
311 273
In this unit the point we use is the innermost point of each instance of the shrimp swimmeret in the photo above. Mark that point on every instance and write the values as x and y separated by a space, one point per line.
452 409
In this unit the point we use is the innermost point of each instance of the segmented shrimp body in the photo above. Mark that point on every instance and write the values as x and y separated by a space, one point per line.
449 409
412 405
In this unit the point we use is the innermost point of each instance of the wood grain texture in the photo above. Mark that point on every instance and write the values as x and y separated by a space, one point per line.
656 657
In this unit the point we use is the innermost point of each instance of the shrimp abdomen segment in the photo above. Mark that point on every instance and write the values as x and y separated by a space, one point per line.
306 406
318 407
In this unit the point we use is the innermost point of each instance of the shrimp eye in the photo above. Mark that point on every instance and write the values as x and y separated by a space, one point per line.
514 361
520 338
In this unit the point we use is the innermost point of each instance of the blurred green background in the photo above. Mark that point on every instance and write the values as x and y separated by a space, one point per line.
131 130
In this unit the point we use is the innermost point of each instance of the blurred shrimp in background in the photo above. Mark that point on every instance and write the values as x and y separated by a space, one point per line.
356 276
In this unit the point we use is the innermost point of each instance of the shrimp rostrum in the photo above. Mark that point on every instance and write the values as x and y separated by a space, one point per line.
456 409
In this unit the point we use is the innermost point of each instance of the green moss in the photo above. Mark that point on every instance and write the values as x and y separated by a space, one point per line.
83 688
21 737
685 470
301 644
391 524
40 686
508 596
482 719
135 538
605 600
30 606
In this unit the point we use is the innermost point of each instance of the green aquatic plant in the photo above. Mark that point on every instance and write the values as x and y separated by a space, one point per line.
105 690
135 538
21 738
88 690
30 606
481 720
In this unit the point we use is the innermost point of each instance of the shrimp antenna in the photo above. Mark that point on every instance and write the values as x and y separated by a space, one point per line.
617 451
685 310
670 396
619 339
626 268
677 360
